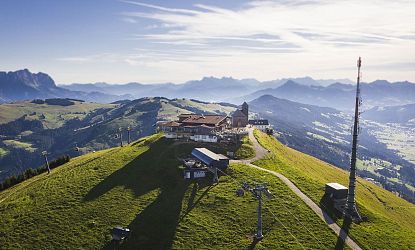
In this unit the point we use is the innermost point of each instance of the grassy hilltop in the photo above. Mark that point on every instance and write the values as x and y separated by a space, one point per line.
141 186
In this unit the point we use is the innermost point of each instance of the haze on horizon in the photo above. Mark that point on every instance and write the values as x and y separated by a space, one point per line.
176 41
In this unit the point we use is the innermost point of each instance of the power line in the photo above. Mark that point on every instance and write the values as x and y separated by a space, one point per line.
244 183
318 241
286 228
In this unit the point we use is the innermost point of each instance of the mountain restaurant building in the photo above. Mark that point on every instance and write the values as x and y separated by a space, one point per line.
204 128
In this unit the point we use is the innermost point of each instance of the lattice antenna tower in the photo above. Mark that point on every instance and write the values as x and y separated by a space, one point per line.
351 211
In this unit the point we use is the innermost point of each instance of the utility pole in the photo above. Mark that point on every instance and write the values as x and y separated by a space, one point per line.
120 130
45 154
351 212
129 129
257 193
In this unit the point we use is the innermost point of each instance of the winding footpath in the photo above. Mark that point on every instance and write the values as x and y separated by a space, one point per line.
262 152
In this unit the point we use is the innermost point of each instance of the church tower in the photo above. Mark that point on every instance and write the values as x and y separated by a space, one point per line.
245 109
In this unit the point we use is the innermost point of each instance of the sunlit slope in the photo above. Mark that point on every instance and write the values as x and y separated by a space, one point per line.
52 116
141 186
391 220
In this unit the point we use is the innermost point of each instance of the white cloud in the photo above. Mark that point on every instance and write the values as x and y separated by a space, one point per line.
271 39
129 20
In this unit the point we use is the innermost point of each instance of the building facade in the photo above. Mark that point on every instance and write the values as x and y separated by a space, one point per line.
240 116
261 124
204 128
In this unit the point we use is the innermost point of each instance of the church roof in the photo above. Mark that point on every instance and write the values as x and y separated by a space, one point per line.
238 112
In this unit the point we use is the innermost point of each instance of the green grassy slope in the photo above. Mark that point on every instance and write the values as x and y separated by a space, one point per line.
55 115
245 150
391 220
141 186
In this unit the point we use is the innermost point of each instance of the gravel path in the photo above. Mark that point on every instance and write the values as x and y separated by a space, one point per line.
262 152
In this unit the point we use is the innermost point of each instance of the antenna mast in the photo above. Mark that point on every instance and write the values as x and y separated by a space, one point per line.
351 209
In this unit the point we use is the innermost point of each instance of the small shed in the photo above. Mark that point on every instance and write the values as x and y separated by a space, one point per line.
336 191
210 158
120 233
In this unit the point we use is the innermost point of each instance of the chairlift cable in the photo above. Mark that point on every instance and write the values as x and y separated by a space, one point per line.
318 241
286 228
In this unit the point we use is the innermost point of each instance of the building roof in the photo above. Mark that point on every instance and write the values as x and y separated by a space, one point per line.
238 113
169 124
204 119
185 115
336 186
207 156
259 122
222 157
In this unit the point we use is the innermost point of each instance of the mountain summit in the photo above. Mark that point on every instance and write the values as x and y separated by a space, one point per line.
24 85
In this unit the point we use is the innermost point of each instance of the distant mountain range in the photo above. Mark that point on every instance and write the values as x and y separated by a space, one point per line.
208 88
341 96
24 85
336 93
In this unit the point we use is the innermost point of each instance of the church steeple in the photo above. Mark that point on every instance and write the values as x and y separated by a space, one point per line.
245 109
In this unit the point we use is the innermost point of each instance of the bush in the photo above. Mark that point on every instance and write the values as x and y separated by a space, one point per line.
59 101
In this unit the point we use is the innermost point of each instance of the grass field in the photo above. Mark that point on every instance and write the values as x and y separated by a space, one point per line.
391 220
141 186
18 144
3 152
55 115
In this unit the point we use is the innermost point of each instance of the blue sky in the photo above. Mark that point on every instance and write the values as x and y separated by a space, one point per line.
175 41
